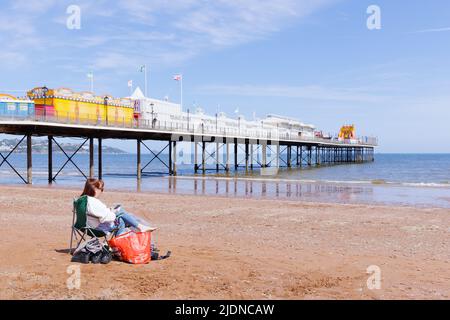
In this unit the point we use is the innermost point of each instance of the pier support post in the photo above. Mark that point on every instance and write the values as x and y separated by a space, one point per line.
278 155
251 156
227 156
298 160
289 151
309 156
301 156
217 155
264 154
50 159
195 156
236 164
174 160
138 160
246 156
29 160
100 156
317 155
170 158
91 157
203 157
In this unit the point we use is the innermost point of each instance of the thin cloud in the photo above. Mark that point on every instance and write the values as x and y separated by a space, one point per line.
165 33
434 30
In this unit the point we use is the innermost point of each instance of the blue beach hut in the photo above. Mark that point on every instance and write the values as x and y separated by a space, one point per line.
12 107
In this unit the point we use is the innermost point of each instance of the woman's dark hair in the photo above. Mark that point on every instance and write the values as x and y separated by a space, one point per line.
91 185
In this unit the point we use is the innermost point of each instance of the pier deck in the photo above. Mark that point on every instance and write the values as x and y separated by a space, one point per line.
307 151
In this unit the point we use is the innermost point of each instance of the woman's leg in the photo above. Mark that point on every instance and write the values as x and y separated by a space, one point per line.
129 220
120 225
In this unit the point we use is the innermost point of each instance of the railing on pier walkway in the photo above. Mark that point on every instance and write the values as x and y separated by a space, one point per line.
184 127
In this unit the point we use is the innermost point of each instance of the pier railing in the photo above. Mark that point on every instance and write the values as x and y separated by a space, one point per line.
185 127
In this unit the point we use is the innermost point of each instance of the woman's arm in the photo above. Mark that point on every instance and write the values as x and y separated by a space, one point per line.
98 209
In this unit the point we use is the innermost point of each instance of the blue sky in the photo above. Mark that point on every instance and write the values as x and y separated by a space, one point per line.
313 60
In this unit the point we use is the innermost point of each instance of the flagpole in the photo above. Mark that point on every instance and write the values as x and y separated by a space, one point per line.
145 75
181 88
91 77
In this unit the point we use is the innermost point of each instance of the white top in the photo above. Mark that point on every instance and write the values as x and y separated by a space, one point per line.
98 212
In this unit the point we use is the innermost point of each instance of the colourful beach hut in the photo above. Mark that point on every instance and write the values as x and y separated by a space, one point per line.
11 106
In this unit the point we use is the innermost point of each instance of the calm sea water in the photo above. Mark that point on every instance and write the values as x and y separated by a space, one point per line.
402 179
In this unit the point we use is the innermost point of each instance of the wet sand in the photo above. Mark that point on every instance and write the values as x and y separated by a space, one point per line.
230 248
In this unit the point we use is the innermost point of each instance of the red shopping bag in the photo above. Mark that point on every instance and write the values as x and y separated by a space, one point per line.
132 247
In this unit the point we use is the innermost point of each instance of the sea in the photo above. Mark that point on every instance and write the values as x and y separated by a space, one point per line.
415 180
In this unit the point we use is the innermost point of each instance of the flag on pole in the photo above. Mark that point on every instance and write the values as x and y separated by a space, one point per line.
90 76
130 83
144 69
179 77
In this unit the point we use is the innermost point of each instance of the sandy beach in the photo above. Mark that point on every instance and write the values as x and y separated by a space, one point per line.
229 248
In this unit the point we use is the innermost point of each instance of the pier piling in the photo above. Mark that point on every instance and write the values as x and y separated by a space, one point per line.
251 156
246 156
264 154
203 157
91 157
29 160
217 155
174 160
227 156
236 164
309 155
50 159
170 158
289 153
138 159
195 156
277 162
100 155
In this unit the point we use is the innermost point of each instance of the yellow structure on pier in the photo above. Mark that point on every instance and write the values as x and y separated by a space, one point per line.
347 132
64 104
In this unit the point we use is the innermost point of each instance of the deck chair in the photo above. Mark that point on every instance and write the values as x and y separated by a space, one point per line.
80 227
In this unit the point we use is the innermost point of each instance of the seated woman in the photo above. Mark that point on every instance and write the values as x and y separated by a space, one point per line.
100 217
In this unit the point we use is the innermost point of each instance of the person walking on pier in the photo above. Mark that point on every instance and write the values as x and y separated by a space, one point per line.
102 218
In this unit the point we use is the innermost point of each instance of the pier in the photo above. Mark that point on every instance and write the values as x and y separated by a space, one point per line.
240 150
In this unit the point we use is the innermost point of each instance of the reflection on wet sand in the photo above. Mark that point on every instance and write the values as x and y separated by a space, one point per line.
295 190
265 189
